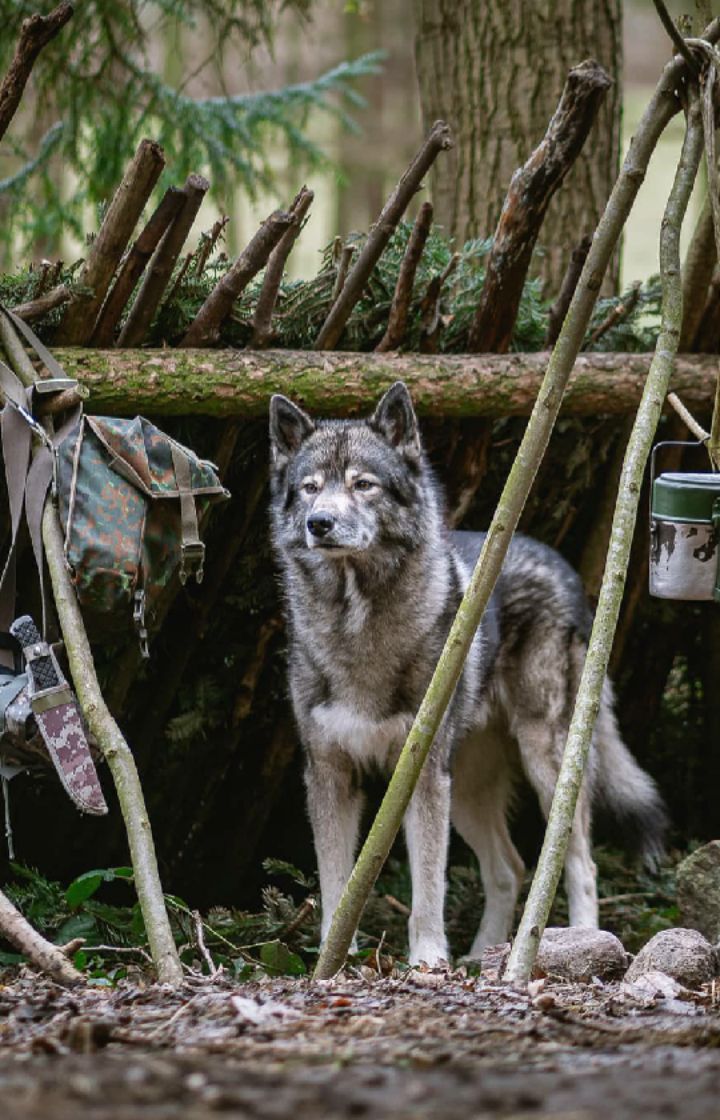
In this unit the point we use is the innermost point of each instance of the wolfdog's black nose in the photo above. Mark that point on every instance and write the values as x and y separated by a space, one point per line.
320 524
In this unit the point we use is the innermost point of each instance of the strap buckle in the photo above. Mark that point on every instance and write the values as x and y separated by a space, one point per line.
192 560
139 623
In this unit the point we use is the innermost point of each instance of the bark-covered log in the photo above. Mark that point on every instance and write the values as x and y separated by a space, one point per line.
227 383
531 189
40 306
108 247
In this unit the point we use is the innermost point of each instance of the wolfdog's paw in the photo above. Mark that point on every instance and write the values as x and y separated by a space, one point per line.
434 954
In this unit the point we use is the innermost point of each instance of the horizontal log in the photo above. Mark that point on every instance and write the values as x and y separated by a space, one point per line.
227 383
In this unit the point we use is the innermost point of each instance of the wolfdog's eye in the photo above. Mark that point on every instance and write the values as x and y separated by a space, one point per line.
363 484
309 487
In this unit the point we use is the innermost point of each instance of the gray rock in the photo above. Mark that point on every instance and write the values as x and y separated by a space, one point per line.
698 890
683 954
578 954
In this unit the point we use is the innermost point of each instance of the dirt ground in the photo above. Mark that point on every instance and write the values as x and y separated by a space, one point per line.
416 1046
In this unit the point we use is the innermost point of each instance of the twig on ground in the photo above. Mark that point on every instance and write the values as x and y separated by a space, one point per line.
200 941
41 953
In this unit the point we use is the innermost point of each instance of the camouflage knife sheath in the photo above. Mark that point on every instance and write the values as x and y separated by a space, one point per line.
58 719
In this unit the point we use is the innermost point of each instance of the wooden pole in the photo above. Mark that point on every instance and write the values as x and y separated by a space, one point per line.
661 109
587 704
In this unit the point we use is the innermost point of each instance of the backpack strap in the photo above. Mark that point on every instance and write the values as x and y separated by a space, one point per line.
192 549
27 482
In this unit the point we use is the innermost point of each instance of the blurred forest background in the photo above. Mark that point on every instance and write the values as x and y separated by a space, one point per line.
209 721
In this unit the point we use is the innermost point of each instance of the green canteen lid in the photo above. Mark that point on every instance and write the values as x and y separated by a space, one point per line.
686 497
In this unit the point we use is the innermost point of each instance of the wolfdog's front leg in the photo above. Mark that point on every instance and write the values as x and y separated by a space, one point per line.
334 804
427 828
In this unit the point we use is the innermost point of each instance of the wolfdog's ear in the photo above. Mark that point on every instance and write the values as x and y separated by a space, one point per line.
394 418
289 427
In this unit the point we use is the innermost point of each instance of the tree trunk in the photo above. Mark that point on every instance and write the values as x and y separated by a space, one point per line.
226 383
494 71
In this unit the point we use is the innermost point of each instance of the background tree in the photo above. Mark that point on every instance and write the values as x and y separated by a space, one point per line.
495 71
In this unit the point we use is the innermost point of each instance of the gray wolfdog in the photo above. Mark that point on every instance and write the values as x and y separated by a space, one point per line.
372 580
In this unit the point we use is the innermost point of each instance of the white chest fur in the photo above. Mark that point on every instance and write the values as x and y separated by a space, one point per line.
366 739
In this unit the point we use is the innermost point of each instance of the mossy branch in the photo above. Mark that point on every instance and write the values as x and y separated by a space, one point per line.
562 813
662 108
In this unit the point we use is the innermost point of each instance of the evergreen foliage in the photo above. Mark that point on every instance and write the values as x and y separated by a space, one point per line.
303 304
95 93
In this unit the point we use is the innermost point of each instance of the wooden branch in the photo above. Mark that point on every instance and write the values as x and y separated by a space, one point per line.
102 726
226 383
706 338
161 266
36 32
108 247
592 682
661 109
698 268
42 305
344 258
617 314
687 418
133 266
531 189
42 954
208 241
117 754
430 324
262 321
439 139
558 311
400 307
205 329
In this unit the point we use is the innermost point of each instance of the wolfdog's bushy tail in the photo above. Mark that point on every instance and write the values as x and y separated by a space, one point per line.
625 789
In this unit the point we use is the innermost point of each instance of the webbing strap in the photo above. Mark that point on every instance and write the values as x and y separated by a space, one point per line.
16 438
192 548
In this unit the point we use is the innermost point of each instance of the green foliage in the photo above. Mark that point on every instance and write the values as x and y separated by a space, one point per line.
95 93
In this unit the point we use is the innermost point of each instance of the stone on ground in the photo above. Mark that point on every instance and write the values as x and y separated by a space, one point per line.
578 955
683 954
698 890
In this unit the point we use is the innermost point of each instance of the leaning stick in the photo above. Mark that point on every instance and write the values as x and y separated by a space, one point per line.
400 307
262 321
617 314
205 328
439 139
161 266
35 33
108 247
662 108
43 954
102 725
134 265
592 682
531 189
558 311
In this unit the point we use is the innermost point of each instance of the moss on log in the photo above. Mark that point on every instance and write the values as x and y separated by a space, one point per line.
226 383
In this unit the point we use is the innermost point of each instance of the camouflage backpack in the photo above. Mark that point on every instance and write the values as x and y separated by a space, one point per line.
130 500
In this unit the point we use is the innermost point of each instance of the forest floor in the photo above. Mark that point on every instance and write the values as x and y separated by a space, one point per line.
417 1045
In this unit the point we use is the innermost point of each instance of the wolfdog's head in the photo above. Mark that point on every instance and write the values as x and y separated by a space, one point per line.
349 488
